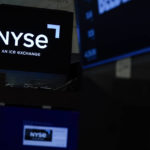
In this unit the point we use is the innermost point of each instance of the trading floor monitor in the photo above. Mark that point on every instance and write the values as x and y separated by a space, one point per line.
38 129
109 30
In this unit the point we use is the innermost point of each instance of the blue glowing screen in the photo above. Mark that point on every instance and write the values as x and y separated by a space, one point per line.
38 129
109 30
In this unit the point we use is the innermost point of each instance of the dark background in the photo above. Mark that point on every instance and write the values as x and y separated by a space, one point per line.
114 112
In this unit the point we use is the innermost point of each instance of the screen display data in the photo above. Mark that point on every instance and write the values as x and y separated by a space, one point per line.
109 30
36 129
36 43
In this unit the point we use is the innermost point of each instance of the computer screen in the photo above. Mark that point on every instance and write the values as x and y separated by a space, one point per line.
38 129
35 43
110 30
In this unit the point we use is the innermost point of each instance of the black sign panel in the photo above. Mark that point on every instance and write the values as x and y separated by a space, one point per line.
34 39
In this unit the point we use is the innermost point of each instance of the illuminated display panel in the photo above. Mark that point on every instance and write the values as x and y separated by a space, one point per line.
34 128
110 30
34 40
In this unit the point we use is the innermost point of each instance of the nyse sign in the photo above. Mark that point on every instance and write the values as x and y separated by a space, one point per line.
107 5
41 41
45 136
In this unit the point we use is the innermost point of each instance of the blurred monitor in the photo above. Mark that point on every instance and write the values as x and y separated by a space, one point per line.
35 46
109 30
38 129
